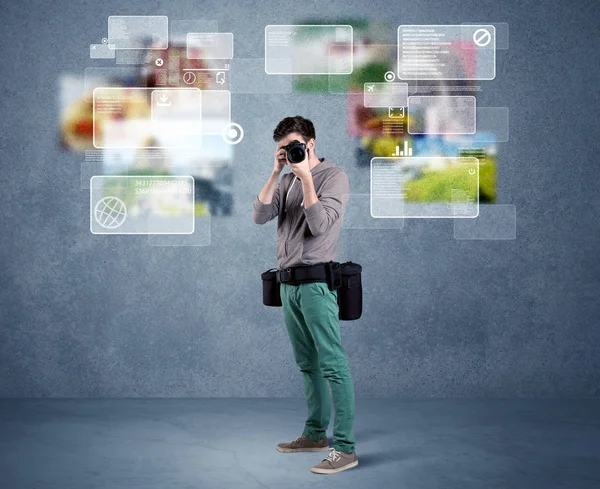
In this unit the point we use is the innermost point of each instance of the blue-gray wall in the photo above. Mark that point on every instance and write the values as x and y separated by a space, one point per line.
86 315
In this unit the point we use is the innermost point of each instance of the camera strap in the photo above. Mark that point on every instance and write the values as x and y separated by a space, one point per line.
288 194
290 189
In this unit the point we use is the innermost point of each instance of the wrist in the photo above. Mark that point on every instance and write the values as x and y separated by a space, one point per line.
306 178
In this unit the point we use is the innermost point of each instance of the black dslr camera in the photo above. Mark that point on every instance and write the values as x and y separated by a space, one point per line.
296 151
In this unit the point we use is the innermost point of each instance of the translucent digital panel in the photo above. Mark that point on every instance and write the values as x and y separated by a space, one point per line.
200 237
447 52
102 51
425 187
142 204
441 114
357 214
138 31
308 49
248 76
385 94
209 45
147 118
495 221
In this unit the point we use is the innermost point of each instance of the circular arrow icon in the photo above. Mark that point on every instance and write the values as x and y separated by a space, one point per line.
482 37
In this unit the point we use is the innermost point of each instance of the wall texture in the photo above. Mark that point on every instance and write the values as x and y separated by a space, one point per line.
87 316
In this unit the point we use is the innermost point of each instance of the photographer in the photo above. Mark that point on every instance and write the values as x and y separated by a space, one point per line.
309 203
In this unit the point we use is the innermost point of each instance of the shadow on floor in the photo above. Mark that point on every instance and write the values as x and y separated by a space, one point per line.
369 435
372 459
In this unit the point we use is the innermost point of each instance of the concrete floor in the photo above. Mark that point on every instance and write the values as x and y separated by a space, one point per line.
230 443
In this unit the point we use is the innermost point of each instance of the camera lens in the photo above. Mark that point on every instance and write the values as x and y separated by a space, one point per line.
296 155
296 152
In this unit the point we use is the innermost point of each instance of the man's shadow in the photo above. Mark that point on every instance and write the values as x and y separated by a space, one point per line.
377 456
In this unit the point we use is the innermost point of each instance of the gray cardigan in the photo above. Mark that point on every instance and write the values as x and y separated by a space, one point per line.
307 236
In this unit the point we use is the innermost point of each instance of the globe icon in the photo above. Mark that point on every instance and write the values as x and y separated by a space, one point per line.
110 212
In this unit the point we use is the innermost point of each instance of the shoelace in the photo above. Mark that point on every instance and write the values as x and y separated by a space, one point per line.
299 439
333 456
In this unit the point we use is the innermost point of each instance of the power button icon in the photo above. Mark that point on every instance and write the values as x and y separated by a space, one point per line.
471 171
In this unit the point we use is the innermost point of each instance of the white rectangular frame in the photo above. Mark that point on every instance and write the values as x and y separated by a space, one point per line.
313 25
138 16
441 25
422 217
444 133
143 176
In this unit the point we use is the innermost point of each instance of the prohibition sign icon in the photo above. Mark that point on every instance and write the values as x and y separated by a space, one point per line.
482 37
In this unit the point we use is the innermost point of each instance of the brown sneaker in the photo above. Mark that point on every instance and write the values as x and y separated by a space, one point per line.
304 444
336 462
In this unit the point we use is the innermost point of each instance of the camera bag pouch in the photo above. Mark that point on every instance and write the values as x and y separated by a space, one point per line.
270 286
350 292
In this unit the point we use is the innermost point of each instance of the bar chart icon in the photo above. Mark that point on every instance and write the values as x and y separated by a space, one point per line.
405 152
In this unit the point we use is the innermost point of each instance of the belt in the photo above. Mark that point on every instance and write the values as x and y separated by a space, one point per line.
329 273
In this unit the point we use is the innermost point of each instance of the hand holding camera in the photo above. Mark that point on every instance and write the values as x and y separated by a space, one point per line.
280 160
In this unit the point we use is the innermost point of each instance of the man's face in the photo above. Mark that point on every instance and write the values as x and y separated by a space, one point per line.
294 136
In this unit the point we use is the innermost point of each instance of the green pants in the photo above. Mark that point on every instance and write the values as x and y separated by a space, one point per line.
310 311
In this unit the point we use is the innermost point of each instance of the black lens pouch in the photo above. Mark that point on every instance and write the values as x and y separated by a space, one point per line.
350 292
271 294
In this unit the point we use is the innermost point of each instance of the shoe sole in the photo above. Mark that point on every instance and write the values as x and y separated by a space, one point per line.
292 450
334 471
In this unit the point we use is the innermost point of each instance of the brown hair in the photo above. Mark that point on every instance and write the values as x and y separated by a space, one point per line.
298 124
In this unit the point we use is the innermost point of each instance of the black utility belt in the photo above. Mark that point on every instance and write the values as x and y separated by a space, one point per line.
343 277
330 273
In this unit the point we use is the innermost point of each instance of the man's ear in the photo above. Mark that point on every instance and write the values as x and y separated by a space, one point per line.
311 144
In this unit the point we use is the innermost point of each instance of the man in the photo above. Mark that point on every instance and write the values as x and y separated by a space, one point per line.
309 204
